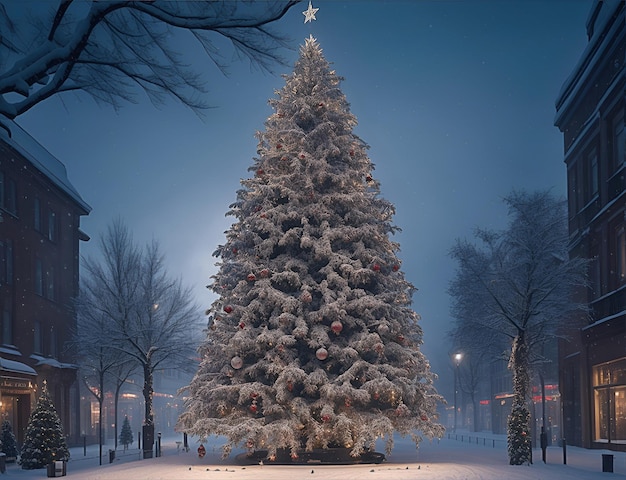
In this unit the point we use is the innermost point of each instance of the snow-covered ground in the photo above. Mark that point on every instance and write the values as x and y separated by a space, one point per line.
447 459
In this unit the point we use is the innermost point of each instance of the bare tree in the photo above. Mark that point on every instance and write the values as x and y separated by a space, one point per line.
120 373
519 284
151 317
112 50
96 359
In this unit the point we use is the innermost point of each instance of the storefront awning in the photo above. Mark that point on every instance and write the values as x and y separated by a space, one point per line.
16 367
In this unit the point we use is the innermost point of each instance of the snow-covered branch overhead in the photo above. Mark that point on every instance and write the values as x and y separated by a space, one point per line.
116 50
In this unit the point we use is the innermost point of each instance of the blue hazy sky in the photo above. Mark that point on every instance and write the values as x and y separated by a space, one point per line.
455 98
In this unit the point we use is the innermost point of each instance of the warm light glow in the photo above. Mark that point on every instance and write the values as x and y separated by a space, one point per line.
458 357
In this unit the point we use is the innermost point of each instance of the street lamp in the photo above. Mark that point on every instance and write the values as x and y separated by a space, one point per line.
457 362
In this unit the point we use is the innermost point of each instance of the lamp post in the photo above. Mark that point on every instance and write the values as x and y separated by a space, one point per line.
457 362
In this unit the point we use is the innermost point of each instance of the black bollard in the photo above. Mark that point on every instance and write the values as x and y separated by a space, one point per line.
84 445
139 440
564 451
543 439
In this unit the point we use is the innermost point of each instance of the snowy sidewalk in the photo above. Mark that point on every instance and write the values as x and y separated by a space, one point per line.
447 459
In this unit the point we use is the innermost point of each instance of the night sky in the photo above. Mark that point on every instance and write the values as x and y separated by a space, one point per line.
455 98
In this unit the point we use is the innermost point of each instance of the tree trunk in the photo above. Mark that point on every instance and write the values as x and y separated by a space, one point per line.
117 401
101 403
147 394
518 435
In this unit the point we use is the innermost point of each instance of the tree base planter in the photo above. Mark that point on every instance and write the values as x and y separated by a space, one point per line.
318 456
57 468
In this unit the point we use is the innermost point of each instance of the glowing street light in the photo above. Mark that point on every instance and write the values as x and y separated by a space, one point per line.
457 361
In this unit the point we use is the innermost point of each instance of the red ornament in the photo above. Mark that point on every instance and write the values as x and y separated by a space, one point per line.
235 250
376 396
254 395
306 297
242 325
336 327
400 338
369 178
263 215
424 418
302 156
352 153
395 268
294 456
264 273
228 309
251 277
321 104
348 403
325 418
376 267
250 443
260 171
284 158
279 146
379 348
253 408
321 353
290 386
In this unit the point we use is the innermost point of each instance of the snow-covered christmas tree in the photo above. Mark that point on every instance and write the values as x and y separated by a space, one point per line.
126 435
44 441
312 342
9 443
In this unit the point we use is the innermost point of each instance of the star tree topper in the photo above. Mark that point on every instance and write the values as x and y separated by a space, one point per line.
309 13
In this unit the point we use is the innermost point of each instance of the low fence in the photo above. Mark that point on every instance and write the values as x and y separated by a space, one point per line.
477 440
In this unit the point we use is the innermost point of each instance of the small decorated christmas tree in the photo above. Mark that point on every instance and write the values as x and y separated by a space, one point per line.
312 343
44 441
9 444
126 435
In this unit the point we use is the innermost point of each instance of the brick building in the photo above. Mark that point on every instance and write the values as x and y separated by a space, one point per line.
40 214
590 113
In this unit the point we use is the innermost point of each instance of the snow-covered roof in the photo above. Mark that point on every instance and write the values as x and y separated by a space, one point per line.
15 367
598 24
53 362
19 140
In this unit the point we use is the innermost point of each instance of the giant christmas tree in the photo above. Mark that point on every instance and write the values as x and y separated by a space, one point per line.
312 342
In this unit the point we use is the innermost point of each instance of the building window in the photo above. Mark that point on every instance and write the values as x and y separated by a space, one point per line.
609 384
571 191
37 340
52 226
7 326
49 283
618 135
8 194
591 173
595 276
37 215
620 254
53 344
38 277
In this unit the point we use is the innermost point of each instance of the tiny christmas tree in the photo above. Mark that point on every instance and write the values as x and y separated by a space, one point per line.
312 343
9 444
126 435
44 441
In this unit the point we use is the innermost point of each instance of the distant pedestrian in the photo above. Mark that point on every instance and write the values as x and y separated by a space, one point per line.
201 451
